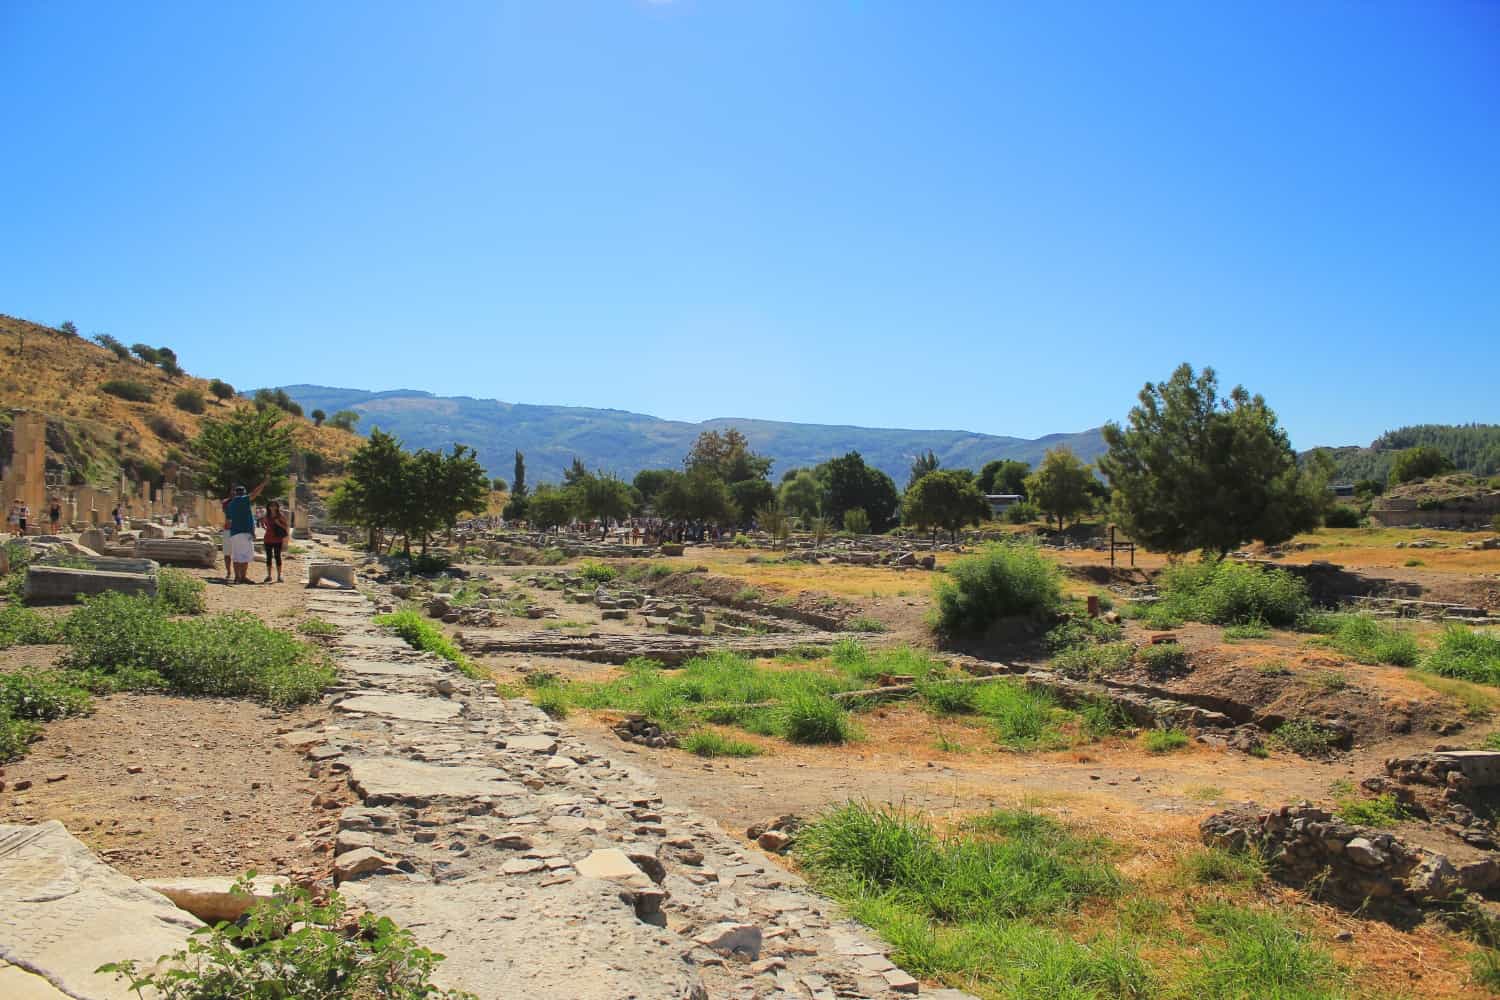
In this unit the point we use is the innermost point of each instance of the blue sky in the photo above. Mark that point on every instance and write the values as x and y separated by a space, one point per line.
990 216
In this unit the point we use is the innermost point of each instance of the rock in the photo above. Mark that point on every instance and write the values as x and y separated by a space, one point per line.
379 780
412 708
1365 854
340 573
178 551
531 743
611 864
64 913
438 607
54 584
210 899
360 861
731 939
774 841
1433 878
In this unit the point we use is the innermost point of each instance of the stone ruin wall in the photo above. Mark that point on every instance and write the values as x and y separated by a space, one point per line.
1478 513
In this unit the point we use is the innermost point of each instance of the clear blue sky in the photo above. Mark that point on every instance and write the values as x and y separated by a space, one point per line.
991 216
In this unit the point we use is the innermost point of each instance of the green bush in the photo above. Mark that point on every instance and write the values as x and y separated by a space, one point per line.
180 592
1341 515
1304 737
128 389
1164 740
15 735
1091 662
707 743
1080 629
1382 810
130 640
1023 513
22 626
999 581
597 572
188 400
290 946
41 695
857 521
419 633
1367 640
1225 592
1466 654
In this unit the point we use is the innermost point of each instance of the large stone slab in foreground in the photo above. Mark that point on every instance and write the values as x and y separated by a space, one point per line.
64 913
390 779
59 584
410 707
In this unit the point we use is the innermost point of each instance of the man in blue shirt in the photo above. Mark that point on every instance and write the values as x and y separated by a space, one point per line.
240 515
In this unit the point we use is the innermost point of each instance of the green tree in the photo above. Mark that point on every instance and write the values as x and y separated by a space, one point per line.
344 420
67 327
104 340
318 416
499 485
921 466
1421 462
222 390
549 507
603 496
751 495
650 482
727 454
242 449
802 495
852 483
146 353
515 506
699 495
857 521
774 522
1004 476
371 496
1192 471
1060 487
437 489
944 499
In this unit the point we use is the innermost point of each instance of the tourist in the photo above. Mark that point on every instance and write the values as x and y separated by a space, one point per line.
240 514
18 516
54 514
119 518
277 532
228 562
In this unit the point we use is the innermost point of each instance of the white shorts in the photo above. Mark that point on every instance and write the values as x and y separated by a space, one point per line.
242 548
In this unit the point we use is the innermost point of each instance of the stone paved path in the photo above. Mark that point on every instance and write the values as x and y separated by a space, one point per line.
544 869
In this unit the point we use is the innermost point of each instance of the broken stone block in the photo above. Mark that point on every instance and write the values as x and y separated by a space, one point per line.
731 939
360 861
58 584
210 899
177 551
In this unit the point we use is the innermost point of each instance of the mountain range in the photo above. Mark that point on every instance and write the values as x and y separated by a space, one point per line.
622 442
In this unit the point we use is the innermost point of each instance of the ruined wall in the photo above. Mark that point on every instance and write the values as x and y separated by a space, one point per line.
1476 512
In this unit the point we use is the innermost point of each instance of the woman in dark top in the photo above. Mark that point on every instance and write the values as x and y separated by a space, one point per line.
277 530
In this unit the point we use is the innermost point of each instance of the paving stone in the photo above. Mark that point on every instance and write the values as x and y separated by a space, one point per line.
386 779
411 708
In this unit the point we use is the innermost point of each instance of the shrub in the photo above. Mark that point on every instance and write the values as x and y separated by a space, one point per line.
864 623
128 389
809 717
707 743
112 344
1467 655
1102 717
317 627
999 581
41 695
222 390
290 946
1023 513
15 734
1164 740
857 521
419 633
114 632
1079 629
1341 515
1224 592
1367 640
180 592
1382 810
188 400
597 572
1093 661
1305 737
21 626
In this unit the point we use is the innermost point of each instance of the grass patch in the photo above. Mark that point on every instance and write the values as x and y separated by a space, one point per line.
1249 630
1024 718
1365 639
1466 654
1225 592
948 697
1163 740
419 633
23 626
1273 668
1164 659
1260 954
999 581
317 626
708 743
864 623
1090 662
1216 866
813 717
1381 810
1328 681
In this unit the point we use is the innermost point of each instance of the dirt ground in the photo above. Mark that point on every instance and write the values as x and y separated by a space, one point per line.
163 785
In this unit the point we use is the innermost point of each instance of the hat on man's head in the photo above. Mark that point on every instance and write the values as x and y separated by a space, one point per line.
239 491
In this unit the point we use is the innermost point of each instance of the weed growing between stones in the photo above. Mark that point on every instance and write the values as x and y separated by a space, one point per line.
1163 740
1304 737
1380 811
421 634
597 572
291 946
317 627
1364 639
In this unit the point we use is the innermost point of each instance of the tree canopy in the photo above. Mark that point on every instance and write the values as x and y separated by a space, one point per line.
1193 471
921 466
411 494
1004 476
1422 462
944 499
243 449
1060 486
852 483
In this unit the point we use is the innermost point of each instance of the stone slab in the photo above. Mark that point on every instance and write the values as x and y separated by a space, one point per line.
18 984
378 668
56 583
210 899
388 779
64 913
412 708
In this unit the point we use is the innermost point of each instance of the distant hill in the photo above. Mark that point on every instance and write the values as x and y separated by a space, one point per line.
1473 448
624 443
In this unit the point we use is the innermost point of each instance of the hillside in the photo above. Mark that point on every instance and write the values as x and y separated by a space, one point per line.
1473 448
93 434
624 443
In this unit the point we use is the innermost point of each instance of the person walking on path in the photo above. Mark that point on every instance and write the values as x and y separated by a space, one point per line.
119 518
277 532
54 514
240 514
17 518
